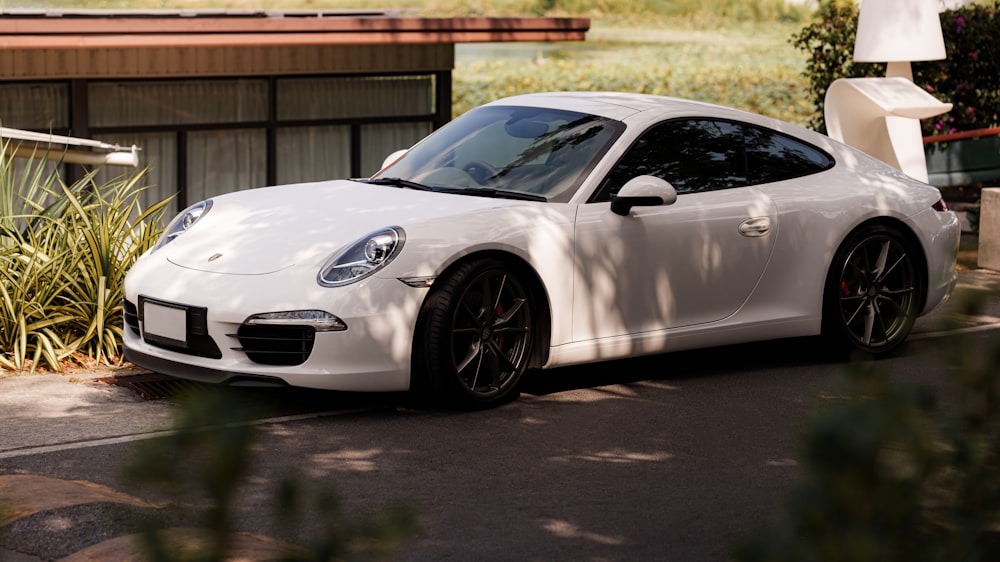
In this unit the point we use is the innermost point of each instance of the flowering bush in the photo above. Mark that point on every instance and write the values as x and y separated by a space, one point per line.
968 78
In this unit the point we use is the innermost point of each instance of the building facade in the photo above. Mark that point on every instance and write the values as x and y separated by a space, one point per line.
220 101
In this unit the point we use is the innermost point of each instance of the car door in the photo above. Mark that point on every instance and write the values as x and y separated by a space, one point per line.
693 262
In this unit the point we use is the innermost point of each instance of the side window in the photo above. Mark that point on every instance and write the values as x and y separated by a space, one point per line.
692 154
772 156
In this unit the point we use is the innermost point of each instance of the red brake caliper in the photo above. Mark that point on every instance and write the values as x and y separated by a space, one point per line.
500 314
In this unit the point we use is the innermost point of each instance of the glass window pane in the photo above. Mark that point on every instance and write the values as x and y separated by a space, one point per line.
379 141
133 104
313 153
224 161
546 152
158 155
34 106
693 155
772 157
354 97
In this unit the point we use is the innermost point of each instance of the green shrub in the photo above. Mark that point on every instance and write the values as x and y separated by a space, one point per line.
64 251
968 78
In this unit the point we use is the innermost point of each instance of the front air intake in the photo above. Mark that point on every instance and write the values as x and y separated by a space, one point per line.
131 314
276 345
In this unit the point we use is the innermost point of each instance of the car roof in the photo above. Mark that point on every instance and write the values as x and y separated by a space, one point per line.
644 109
616 105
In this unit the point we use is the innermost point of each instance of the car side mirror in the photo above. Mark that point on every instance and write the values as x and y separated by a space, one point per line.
391 159
642 191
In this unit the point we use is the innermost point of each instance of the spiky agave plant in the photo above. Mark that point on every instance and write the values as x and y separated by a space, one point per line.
30 262
25 191
64 251
31 325
107 230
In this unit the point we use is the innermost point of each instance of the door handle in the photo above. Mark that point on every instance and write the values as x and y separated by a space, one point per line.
755 227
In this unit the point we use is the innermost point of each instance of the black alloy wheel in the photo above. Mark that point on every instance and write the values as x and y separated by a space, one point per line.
475 337
875 291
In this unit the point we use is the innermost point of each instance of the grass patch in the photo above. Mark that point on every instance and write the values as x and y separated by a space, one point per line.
730 10
750 67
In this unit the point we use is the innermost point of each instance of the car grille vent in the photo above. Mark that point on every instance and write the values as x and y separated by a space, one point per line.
155 386
131 314
276 345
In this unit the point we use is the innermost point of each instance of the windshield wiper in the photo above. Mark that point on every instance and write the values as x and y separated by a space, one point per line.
477 191
398 182
491 192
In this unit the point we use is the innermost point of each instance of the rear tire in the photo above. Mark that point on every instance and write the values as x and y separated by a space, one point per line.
874 291
474 336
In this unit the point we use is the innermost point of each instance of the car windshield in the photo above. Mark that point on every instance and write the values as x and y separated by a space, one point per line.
514 150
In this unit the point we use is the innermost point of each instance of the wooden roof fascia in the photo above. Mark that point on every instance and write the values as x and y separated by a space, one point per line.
15 27
283 39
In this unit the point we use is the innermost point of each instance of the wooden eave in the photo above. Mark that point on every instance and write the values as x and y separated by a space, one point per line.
139 31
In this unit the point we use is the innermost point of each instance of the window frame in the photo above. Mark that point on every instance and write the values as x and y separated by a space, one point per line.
831 161
604 192
438 113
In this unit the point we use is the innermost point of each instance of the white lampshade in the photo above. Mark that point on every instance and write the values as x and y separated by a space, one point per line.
899 30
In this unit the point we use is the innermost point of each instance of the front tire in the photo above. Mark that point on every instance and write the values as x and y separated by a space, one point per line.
874 291
475 335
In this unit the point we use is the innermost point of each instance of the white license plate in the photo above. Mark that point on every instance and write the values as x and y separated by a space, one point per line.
165 322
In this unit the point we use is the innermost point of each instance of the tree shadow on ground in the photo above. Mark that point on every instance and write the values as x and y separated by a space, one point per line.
682 365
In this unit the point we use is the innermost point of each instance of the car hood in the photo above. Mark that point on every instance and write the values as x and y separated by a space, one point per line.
265 230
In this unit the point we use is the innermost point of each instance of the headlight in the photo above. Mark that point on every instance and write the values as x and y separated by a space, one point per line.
362 258
182 222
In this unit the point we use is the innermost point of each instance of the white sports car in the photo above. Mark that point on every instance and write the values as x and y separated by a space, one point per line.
539 231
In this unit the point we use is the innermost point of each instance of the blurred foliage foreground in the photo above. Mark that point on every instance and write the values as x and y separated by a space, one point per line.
897 471
203 469
64 252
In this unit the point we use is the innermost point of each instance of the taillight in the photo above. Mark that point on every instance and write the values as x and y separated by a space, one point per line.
940 206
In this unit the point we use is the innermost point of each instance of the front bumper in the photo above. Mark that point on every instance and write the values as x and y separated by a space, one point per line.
371 355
